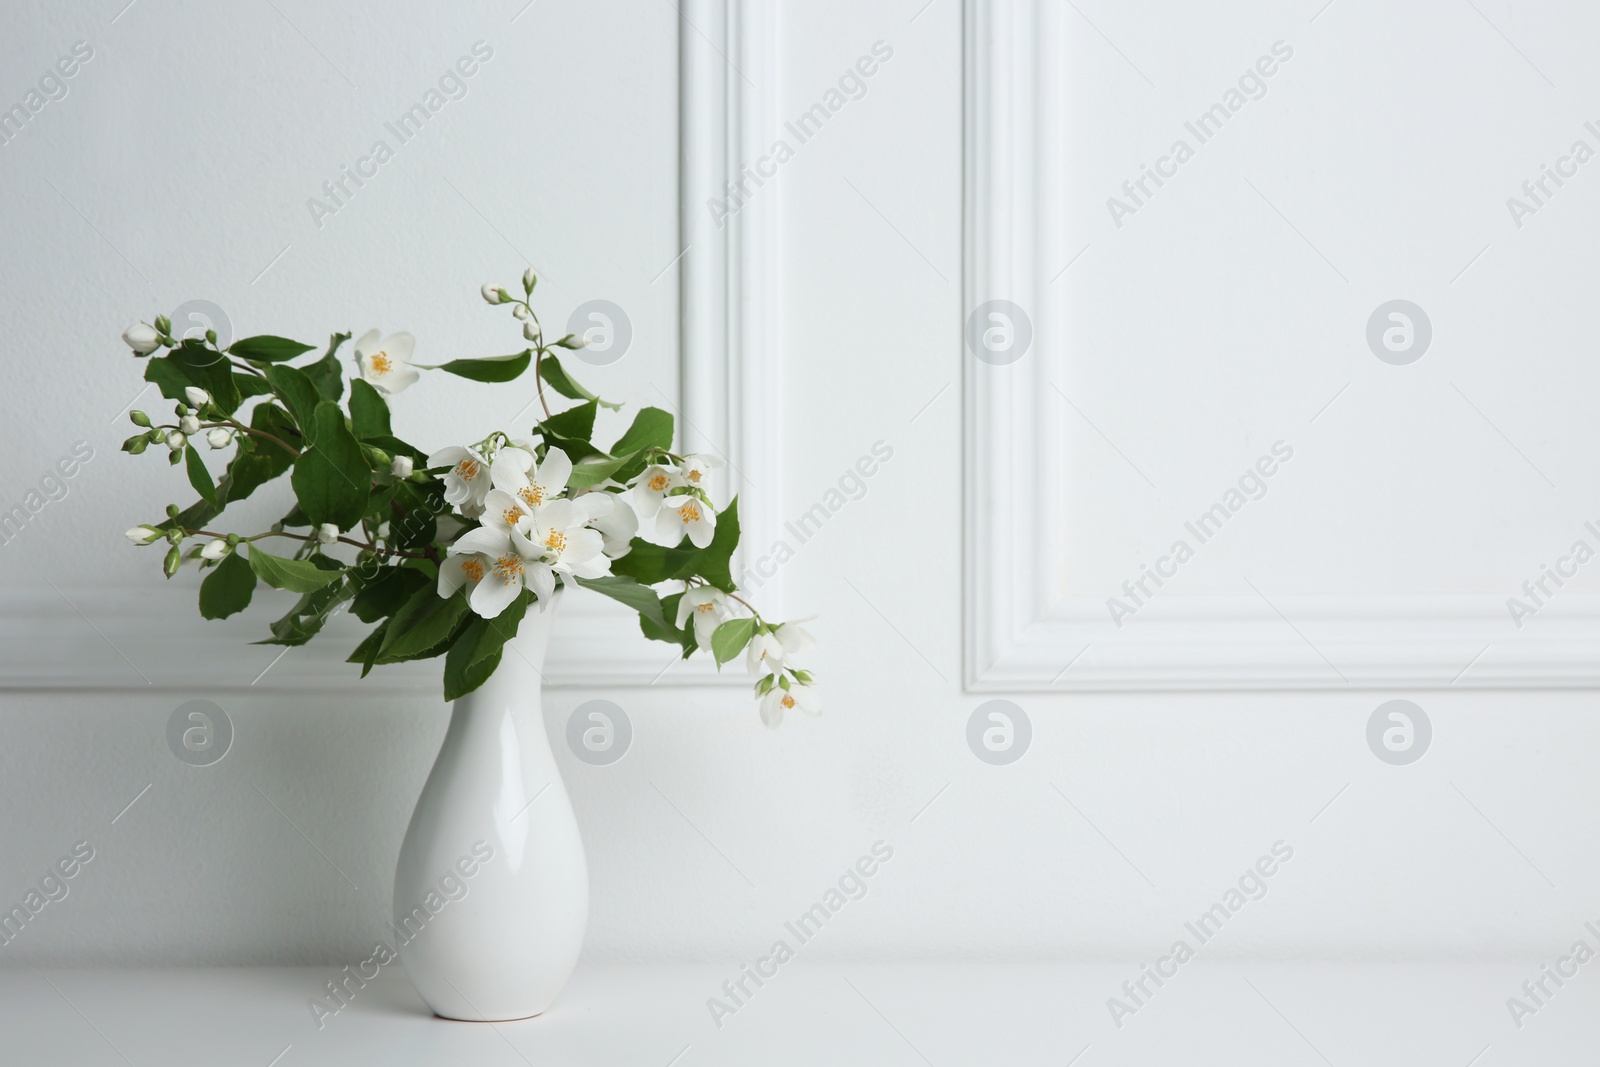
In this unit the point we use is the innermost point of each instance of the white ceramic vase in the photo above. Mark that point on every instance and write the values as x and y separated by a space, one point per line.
491 894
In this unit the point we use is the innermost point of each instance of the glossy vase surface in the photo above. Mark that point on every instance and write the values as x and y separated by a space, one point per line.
491 893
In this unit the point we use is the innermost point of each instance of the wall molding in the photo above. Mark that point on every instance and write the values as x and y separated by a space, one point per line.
729 347
1020 636
83 638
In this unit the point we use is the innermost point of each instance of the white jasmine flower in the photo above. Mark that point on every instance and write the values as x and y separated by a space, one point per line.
492 294
506 571
457 570
327 533
176 440
196 396
189 425
764 655
696 467
142 535
794 638
558 533
466 483
534 484
215 549
681 515
386 364
798 695
142 338
709 607
652 488
219 437
401 467
617 523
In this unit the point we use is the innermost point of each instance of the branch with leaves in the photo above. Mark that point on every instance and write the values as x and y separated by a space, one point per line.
445 552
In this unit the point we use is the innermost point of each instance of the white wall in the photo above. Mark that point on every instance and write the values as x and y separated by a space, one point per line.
1130 813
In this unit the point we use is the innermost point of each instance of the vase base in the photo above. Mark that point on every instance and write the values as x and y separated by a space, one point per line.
482 1019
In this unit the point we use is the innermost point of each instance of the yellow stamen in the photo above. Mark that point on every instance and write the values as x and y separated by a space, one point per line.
707 606
381 364
473 569
557 541
694 476
532 495
658 483
508 568
467 470
689 513
511 515
787 701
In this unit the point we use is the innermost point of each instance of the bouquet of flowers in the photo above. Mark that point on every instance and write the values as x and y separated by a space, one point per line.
445 551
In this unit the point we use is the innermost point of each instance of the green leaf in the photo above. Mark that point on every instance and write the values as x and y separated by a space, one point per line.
305 619
489 369
670 633
331 478
193 363
640 598
228 588
250 470
199 477
369 413
326 373
267 349
576 423
387 593
250 385
295 575
366 652
476 653
592 470
651 428
556 376
422 624
729 639
298 394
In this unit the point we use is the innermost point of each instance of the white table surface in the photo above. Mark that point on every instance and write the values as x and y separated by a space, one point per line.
910 1014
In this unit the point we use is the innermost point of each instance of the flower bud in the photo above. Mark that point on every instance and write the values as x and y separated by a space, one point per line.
401 466
520 311
142 535
169 566
176 440
493 294
215 549
327 533
189 424
530 331
138 418
142 338
218 437
136 444
529 280
164 325
196 396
